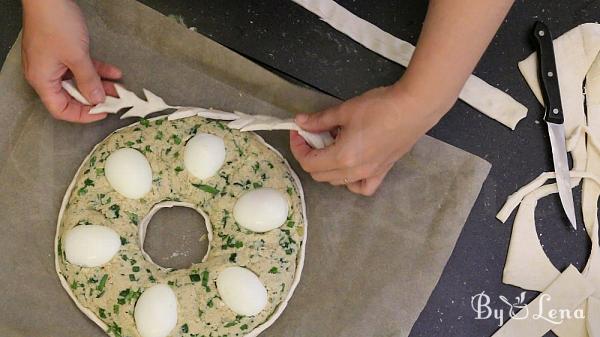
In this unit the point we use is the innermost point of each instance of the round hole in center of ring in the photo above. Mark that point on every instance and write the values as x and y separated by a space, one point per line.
175 235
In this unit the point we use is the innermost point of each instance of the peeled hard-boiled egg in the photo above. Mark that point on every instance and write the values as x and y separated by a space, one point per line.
261 210
90 245
156 311
204 155
129 173
242 291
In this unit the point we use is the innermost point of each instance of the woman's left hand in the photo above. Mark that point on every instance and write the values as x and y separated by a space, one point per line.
372 132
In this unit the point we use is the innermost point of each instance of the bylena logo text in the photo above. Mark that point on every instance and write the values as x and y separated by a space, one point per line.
518 309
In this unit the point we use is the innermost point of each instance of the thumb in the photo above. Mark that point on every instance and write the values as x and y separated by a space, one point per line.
88 80
320 121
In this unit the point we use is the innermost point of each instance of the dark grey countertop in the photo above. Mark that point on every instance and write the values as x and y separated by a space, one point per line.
284 36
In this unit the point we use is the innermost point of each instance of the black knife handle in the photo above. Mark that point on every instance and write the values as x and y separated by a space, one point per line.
547 74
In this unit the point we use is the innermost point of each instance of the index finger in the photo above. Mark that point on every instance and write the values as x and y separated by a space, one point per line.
62 106
312 160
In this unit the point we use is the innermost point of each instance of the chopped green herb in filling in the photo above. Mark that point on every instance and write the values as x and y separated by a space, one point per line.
115 329
195 277
102 283
206 188
115 211
176 139
134 218
112 290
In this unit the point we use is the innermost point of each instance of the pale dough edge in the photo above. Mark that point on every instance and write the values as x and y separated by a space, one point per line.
300 258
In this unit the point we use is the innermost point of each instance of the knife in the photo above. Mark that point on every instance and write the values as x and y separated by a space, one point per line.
554 117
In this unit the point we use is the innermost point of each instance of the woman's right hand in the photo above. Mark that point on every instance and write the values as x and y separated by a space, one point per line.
55 47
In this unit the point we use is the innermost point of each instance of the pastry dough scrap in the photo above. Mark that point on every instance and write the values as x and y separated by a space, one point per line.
527 266
491 101
567 292
153 103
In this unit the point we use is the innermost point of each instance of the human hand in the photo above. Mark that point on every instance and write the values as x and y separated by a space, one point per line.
377 128
55 47
374 130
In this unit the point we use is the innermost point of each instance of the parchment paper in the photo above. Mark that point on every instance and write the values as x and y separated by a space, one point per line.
371 262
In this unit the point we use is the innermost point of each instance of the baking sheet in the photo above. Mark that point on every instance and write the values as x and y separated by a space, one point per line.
371 263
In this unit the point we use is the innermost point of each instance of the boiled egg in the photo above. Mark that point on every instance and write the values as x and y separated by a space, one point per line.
242 291
90 245
129 173
204 155
156 311
261 210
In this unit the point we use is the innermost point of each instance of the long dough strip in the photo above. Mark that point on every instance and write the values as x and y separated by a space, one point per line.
527 264
575 51
491 101
593 308
525 254
591 192
567 292
153 103
515 199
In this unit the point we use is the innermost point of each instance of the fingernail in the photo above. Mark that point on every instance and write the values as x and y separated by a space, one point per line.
117 73
97 96
301 118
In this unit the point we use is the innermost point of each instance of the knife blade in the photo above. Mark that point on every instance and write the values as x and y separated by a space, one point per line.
554 117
